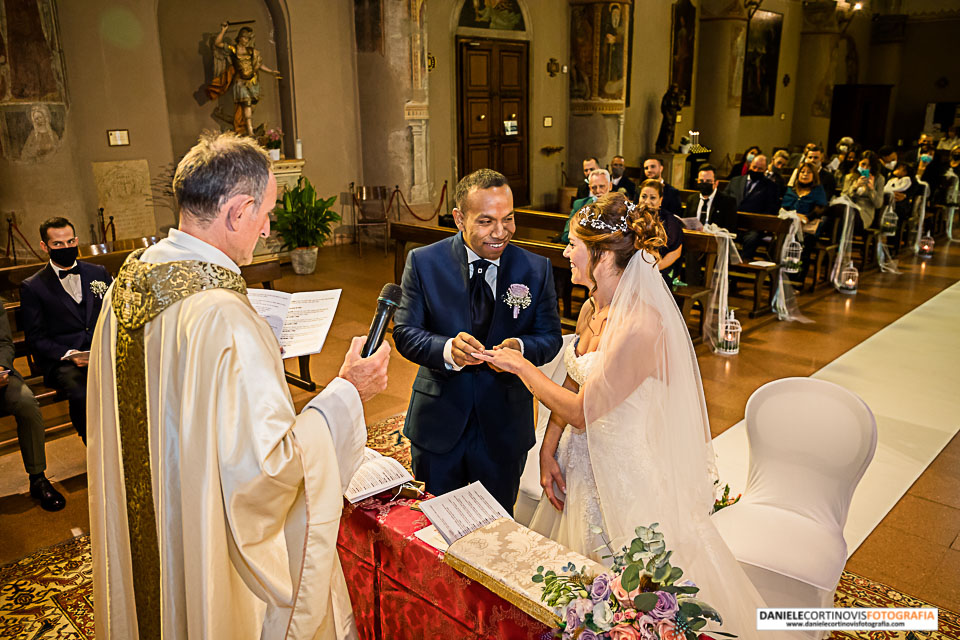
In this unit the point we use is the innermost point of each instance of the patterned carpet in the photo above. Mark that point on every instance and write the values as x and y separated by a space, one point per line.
49 594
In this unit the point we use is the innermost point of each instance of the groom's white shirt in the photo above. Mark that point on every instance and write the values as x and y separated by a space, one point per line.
491 279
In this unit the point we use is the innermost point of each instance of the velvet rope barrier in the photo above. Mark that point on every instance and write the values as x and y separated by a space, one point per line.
436 212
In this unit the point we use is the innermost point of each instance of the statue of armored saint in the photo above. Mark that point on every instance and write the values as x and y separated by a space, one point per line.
243 72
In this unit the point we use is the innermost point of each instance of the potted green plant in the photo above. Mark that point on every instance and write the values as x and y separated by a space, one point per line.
304 222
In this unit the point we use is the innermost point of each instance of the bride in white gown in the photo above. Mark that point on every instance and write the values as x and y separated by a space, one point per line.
628 442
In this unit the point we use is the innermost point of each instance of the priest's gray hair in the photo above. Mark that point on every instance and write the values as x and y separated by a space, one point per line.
219 167
479 179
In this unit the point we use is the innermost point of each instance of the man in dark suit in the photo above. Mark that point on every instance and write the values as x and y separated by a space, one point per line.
18 401
60 305
653 169
709 206
621 183
583 189
466 421
754 193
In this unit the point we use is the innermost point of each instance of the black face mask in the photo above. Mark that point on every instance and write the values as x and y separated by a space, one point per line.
64 257
756 175
955 156
616 172
705 188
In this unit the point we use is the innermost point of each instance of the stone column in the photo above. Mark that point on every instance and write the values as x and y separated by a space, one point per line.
819 40
416 115
723 39
886 53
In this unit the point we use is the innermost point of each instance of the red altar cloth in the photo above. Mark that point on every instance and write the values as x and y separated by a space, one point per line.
400 587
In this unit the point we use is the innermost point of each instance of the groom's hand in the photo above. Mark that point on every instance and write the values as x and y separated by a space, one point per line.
463 345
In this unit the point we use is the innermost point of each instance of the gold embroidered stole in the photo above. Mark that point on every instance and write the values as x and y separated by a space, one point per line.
142 292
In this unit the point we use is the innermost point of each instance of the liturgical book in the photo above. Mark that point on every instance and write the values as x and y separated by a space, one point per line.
377 473
299 320
458 512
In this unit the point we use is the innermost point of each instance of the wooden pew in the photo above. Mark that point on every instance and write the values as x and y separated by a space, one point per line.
760 275
697 244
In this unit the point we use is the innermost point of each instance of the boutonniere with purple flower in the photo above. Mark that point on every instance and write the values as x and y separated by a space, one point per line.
98 287
518 297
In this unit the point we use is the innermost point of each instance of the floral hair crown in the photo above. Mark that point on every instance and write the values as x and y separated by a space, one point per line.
592 219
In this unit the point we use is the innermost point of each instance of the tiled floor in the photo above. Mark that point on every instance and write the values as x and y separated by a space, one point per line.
916 548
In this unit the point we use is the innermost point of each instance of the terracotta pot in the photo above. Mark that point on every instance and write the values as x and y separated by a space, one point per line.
304 260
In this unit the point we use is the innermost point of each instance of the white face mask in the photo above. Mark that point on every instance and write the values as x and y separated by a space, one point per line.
890 165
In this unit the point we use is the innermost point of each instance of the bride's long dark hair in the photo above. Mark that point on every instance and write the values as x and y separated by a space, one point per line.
610 225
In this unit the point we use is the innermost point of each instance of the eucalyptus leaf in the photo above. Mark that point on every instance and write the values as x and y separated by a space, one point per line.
696 625
630 579
690 608
645 601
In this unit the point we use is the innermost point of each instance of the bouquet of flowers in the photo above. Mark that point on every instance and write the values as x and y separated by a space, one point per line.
272 139
723 499
640 598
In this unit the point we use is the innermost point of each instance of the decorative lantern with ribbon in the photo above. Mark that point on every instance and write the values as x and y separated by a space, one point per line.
729 343
888 222
848 279
791 257
925 250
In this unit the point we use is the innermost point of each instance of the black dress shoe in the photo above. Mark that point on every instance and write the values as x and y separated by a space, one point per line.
50 499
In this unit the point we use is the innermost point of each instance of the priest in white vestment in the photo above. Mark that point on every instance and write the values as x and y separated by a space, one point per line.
214 507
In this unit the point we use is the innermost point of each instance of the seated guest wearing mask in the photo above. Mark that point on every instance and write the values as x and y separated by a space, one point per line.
620 182
888 161
589 164
709 206
712 205
651 195
754 193
864 185
60 305
740 168
775 172
927 166
653 169
807 198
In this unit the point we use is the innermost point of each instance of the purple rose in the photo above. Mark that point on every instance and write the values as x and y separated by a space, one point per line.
647 627
600 589
576 611
666 606
589 635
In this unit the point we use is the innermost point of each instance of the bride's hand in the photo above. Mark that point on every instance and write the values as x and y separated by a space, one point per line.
509 360
550 476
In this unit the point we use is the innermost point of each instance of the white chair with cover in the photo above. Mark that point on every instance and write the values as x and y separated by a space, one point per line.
810 443
530 490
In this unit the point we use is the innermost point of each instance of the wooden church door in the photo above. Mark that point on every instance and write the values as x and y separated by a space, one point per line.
492 103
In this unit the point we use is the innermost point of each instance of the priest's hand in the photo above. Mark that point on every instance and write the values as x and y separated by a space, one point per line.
462 348
368 375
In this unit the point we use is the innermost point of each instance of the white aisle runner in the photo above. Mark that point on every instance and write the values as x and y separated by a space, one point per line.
909 375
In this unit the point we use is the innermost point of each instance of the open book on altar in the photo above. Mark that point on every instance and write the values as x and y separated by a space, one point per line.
299 320
377 473
463 510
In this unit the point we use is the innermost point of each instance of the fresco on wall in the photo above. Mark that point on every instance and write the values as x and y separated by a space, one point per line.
492 14
760 64
31 67
31 132
613 46
599 56
682 47
581 51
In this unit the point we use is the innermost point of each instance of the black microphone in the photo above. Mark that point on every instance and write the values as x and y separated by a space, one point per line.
387 304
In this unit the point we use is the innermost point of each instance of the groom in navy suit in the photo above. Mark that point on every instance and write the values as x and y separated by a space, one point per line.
60 305
467 421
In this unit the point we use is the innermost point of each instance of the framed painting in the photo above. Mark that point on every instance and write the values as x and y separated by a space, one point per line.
504 15
682 46
760 64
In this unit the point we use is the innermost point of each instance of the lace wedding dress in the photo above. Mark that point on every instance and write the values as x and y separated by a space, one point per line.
646 454
571 527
